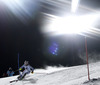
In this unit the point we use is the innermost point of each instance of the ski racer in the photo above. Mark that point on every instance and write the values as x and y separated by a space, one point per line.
25 69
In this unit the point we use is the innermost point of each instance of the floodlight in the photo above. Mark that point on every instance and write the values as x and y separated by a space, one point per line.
69 24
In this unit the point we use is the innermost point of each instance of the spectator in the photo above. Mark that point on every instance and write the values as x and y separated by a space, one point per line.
4 75
10 72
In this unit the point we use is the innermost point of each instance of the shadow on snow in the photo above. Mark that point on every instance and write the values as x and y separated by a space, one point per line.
31 80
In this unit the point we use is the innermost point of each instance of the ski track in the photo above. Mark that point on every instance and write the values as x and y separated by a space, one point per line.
76 75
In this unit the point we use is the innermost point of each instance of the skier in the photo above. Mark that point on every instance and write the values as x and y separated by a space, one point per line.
10 72
25 69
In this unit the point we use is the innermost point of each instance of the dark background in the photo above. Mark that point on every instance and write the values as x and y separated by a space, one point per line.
26 39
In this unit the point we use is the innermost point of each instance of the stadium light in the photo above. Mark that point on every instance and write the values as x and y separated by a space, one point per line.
69 24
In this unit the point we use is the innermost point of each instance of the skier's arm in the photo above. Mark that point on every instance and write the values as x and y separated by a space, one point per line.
21 67
32 69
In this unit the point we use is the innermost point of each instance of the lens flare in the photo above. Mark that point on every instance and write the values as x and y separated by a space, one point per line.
53 49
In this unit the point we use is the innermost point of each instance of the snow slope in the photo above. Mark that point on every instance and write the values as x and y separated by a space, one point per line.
76 75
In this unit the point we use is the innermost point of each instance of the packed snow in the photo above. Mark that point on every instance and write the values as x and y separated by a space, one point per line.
76 75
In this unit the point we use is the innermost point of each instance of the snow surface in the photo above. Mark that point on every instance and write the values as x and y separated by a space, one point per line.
76 75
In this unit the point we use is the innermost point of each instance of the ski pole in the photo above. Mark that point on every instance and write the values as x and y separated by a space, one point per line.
16 70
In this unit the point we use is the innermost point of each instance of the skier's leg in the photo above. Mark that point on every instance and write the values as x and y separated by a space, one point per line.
20 75
24 73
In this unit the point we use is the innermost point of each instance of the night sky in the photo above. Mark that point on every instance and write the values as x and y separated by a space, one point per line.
20 33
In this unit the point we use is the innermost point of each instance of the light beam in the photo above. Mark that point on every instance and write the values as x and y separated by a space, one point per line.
74 6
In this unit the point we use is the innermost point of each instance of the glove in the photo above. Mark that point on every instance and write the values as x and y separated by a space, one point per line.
32 72
20 69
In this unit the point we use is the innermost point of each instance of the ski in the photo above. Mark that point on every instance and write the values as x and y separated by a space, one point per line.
13 81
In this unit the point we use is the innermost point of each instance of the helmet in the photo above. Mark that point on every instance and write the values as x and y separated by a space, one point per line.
25 62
